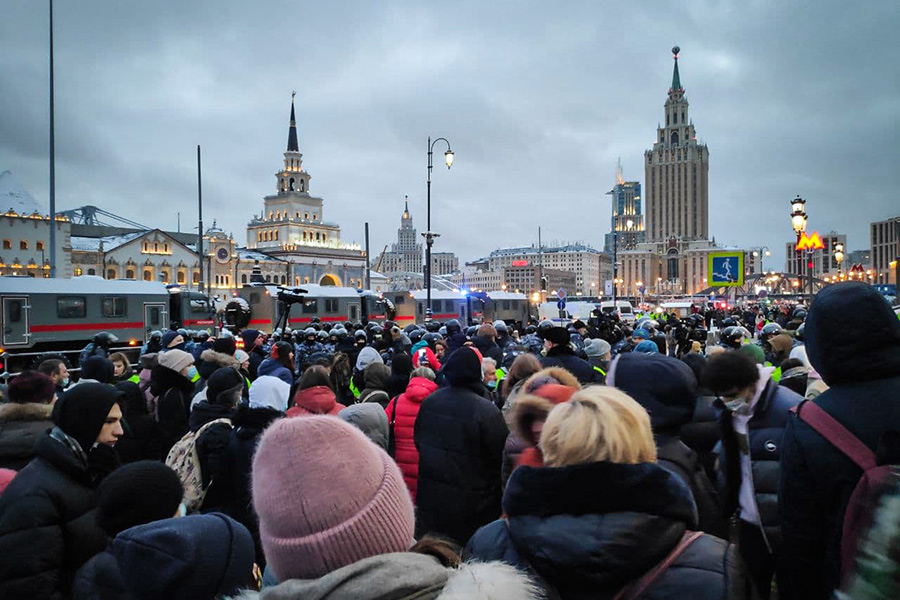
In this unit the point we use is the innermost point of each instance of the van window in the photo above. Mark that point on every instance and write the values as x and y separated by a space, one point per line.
113 306
199 306
331 305
399 299
626 310
254 298
71 307
310 306
15 311
154 315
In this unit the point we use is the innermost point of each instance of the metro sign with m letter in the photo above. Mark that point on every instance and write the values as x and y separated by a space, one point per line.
810 242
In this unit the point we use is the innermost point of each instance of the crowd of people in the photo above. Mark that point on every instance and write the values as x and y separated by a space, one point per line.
747 453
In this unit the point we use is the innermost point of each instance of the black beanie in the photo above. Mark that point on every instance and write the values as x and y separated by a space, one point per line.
225 345
99 368
222 380
463 368
82 410
558 335
138 493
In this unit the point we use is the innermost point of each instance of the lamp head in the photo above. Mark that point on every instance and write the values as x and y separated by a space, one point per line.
448 158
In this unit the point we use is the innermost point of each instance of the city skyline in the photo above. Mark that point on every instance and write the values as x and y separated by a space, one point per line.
528 126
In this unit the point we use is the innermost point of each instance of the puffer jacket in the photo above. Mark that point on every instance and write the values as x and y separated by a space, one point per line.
376 377
862 371
588 530
766 431
316 400
407 407
460 438
20 427
47 525
272 367
488 348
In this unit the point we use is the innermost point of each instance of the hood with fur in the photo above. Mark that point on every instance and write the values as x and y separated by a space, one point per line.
407 575
28 411
219 359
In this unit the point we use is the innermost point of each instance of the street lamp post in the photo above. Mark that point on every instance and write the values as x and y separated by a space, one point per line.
760 253
430 235
839 255
798 223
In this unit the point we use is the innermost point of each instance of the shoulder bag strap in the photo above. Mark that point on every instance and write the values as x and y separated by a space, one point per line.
635 589
838 435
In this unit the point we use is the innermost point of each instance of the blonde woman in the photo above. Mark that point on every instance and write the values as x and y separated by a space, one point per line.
601 515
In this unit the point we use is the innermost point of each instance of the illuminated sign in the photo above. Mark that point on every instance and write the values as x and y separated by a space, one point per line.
810 242
520 263
726 269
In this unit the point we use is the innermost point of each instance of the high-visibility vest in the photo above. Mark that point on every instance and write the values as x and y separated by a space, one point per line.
135 379
501 373
353 389
599 370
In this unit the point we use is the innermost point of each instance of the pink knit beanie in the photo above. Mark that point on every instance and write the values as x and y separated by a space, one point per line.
326 497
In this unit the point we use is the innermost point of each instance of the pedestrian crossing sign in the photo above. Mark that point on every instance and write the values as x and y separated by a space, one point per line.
725 269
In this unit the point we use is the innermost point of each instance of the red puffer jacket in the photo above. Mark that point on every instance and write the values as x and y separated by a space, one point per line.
408 404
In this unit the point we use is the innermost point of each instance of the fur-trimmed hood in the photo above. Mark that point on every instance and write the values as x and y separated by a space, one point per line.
405 575
537 397
550 375
29 411
219 359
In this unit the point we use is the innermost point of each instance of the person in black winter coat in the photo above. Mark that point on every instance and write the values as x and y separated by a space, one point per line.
143 438
667 390
853 342
560 354
174 391
223 392
47 525
484 342
25 418
254 341
200 556
401 367
459 436
220 355
601 514
753 412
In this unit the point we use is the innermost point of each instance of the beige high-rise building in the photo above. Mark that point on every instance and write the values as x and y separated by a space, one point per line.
676 174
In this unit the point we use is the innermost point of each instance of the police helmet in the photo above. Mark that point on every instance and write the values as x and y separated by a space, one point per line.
359 335
799 313
471 330
202 336
348 325
431 338
432 326
453 326
770 330
315 320
326 326
309 332
415 335
500 325
544 326
530 329
410 328
322 336
105 338
732 337
800 331
182 332
156 336
442 331
729 322
377 330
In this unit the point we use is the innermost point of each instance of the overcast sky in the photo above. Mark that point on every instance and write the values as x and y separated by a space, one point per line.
538 100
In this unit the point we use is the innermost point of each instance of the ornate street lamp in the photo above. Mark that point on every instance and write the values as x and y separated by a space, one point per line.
430 235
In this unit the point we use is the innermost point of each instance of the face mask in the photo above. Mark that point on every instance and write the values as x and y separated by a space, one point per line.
65 382
491 385
192 373
182 510
180 346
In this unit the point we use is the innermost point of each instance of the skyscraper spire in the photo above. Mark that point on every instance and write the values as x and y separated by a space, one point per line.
405 207
676 79
620 175
292 145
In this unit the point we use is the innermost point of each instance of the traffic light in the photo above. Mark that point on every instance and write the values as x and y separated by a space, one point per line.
809 264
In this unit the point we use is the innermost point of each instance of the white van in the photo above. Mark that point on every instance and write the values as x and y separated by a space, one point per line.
623 307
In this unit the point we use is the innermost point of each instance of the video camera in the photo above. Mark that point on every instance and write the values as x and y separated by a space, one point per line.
291 295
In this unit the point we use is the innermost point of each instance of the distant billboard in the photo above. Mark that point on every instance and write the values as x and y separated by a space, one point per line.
725 269
520 263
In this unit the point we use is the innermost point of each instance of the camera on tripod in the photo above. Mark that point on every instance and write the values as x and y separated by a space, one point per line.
291 295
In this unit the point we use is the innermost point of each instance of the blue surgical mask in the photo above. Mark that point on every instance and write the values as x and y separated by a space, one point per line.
65 382
491 384
182 510
192 372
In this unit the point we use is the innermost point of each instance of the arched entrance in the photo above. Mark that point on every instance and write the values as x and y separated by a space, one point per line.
329 279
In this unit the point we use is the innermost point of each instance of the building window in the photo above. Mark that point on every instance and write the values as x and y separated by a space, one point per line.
196 277
110 273
306 216
78 272
92 272
182 277
129 273
7 244
148 275
113 306
243 278
23 244
39 246
306 280
70 307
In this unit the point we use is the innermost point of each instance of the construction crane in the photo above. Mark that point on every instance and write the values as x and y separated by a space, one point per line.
377 267
90 215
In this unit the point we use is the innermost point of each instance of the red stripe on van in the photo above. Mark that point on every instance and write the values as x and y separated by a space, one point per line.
323 319
259 321
86 327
